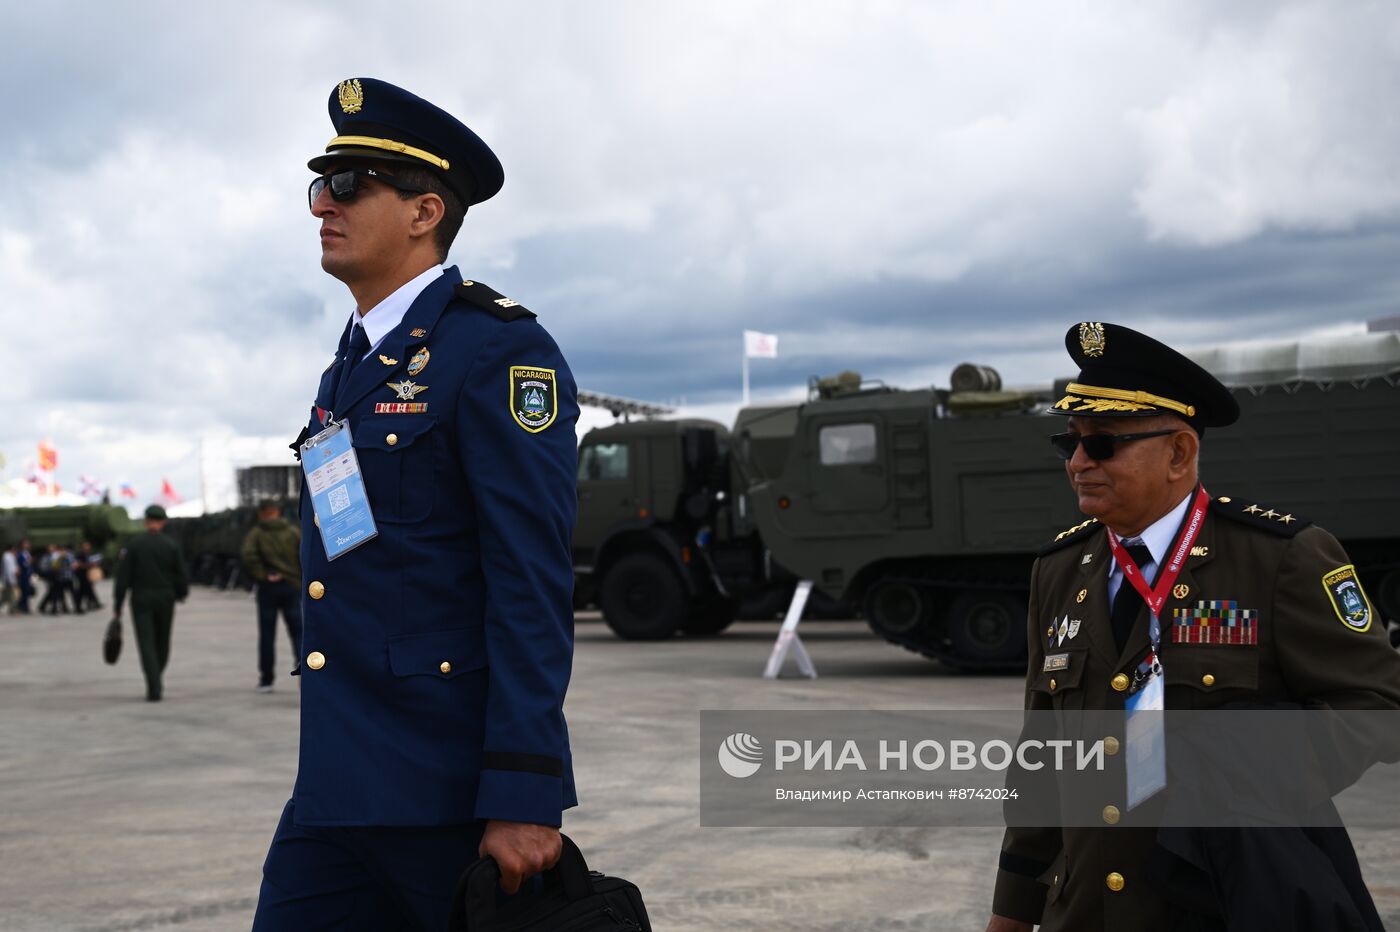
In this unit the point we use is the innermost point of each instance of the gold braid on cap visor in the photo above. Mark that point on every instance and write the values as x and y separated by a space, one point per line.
1099 400
389 145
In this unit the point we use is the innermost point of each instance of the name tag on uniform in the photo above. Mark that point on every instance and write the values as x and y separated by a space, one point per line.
1145 734
337 490
1056 662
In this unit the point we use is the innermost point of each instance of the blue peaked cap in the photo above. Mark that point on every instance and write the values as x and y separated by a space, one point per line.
373 119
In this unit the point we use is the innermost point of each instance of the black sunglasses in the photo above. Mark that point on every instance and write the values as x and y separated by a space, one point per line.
346 184
1097 446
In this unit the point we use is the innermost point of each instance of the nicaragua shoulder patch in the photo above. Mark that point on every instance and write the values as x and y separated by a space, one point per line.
1344 589
533 401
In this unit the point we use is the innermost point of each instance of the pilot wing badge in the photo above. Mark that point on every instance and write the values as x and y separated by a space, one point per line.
533 400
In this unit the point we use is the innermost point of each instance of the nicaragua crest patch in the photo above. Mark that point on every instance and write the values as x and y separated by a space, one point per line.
1349 602
533 400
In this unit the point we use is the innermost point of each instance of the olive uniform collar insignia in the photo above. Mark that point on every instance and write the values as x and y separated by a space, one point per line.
1074 534
534 403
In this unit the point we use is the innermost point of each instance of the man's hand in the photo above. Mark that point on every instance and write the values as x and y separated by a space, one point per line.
521 850
1002 924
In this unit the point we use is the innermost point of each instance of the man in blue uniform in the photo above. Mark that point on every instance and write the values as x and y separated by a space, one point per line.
436 654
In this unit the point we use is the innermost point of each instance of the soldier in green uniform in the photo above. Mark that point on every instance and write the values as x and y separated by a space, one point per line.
1264 608
153 571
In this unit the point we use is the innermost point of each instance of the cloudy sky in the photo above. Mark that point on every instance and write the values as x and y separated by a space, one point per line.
889 186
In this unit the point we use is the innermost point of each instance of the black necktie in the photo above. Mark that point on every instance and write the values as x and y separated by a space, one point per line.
1128 601
354 352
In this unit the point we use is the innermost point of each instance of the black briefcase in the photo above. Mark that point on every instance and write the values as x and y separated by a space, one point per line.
572 899
112 641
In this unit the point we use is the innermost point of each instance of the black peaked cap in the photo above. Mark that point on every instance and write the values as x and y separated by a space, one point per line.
373 119
1123 373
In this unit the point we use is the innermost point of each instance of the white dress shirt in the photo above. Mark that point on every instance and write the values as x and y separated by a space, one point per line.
388 314
1158 540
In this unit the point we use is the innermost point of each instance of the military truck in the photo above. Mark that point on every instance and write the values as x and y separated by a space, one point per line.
925 507
105 527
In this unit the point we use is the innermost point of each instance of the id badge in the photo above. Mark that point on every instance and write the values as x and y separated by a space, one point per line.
1146 740
337 490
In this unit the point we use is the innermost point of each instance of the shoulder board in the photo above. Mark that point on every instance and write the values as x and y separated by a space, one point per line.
1256 514
489 299
1071 536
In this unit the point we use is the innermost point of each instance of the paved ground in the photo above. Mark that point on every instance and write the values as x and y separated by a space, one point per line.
116 814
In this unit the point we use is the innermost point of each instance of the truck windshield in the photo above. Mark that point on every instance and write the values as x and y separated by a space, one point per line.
603 461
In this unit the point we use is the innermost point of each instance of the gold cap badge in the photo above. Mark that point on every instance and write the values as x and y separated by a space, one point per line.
352 96
1091 339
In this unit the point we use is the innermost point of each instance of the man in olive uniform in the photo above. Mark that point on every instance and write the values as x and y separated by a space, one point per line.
1265 608
271 555
436 650
153 571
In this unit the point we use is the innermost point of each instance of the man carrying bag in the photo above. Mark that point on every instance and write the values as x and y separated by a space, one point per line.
570 896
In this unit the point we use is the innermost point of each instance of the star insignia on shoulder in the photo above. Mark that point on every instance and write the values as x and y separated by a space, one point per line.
1256 515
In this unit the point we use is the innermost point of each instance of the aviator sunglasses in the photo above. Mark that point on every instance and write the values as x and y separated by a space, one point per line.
346 184
1097 446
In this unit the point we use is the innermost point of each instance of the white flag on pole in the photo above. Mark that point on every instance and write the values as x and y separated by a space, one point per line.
760 345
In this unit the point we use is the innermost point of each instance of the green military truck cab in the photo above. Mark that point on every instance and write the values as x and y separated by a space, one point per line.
649 495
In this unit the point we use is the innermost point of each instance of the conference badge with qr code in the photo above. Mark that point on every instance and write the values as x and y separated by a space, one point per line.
337 490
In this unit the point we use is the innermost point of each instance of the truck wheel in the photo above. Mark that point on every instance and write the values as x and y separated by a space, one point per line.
641 598
897 608
987 627
710 617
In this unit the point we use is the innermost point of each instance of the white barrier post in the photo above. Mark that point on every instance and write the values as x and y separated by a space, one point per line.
788 639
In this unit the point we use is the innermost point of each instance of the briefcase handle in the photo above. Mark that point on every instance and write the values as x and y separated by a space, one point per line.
477 889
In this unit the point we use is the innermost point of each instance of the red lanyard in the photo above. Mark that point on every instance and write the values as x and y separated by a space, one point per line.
1156 598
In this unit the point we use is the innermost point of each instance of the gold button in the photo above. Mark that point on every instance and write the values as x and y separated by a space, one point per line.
315 520
1224 499
391 439
1110 815
1114 881
316 589
445 667
315 660
1119 682
1052 684
1110 745
1208 679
